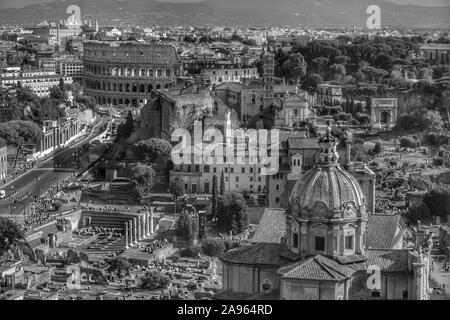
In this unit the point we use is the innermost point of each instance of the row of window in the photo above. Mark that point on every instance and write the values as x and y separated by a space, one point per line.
251 180
194 188
319 242
207 169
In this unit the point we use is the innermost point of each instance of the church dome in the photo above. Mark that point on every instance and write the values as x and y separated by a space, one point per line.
327 190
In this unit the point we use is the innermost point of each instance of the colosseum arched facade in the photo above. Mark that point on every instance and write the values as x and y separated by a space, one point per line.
125 73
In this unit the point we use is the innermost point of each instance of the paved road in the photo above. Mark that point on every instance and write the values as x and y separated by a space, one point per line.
39 180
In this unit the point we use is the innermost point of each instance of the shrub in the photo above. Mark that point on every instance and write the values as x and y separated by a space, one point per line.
438 162
190 252
407 142
377 148
436 139
421 212
154 280
175 257
213 247
342 116
363 118
407 121
393 163
191 286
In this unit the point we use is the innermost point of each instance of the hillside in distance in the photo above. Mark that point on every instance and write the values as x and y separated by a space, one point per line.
307 13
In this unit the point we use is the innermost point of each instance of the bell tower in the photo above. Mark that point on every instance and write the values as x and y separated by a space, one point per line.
268 72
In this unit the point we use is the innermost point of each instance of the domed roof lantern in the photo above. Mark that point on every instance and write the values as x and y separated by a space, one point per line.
327 155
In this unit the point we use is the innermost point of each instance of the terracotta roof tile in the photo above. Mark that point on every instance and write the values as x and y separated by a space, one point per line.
381 231
271 228
316 268
256 254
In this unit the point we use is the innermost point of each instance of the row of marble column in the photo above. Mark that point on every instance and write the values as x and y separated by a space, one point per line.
138 228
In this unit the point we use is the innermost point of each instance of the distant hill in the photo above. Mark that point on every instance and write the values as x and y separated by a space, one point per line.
313 13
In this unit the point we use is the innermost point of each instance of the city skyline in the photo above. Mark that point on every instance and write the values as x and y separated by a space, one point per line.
22 3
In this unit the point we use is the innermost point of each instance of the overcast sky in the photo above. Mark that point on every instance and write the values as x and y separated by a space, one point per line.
22 3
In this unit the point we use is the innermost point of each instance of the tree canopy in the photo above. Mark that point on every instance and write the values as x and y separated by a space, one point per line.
187 226
154 281
232 213
18 132
176 188
10 234
154 148
143 177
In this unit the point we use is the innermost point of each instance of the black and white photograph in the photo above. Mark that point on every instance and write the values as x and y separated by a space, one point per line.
236 152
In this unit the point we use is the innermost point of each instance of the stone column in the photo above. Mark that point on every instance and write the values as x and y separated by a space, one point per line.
418 280
126 235
135 227
151 221
144 233
139 228
130 233
147 224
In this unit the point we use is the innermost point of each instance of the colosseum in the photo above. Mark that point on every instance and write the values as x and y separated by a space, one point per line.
124 73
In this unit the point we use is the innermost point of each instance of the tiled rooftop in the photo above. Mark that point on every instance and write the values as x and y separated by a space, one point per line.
272 227
257 254
381 231
316 268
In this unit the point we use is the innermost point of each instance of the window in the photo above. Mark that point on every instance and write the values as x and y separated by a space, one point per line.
251 179
185 186
232 170
277 187
215 170
226 170
277 200
206 169
405 294
375 294
237 179
226 179
251 170
243 170
197 168
349 242
320 244
189 168
295 240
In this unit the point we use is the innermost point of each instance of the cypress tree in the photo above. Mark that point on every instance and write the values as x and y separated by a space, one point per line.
215 195
222 184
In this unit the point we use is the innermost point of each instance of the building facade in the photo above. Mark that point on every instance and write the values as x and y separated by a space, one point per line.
39 82
125 73
57 135
329 95
70 66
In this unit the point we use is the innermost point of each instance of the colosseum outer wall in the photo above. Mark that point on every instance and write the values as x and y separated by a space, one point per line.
125 73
